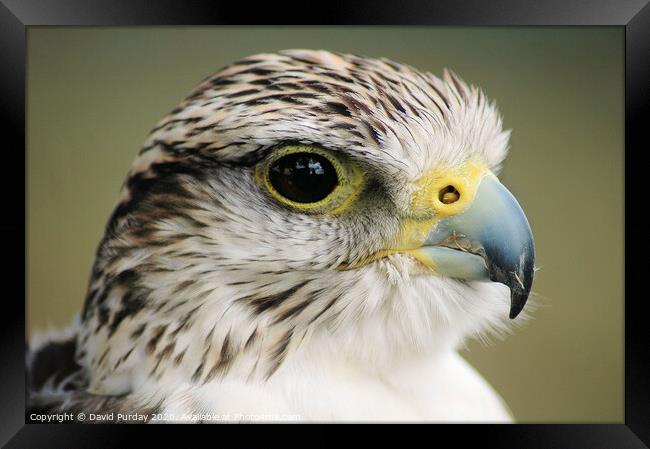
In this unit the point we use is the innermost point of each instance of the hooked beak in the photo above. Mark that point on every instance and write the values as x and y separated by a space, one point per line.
490 239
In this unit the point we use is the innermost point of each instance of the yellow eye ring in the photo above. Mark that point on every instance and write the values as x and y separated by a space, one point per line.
338 182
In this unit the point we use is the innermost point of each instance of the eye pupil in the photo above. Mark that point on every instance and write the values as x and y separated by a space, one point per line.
303 177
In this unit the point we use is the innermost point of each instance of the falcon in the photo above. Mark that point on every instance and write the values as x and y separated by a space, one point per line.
309 236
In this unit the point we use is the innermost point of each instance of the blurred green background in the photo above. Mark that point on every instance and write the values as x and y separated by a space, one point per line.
94 93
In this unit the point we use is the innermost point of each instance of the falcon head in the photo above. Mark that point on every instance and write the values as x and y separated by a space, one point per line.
306 202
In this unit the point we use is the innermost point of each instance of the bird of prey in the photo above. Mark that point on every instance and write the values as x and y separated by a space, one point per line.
308 236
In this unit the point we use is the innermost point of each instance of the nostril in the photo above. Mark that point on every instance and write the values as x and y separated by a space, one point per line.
448 195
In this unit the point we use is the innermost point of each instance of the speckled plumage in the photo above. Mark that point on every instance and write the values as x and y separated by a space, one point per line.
205 292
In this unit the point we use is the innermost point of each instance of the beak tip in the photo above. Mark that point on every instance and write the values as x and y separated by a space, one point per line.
515 309
519 286
518 299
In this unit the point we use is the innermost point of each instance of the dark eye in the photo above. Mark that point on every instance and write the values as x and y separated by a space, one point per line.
303 177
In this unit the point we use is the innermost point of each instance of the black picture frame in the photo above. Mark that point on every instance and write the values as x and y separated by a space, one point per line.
633 15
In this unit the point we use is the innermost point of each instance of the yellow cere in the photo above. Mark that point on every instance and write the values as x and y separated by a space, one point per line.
350 180
426 207
426 202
